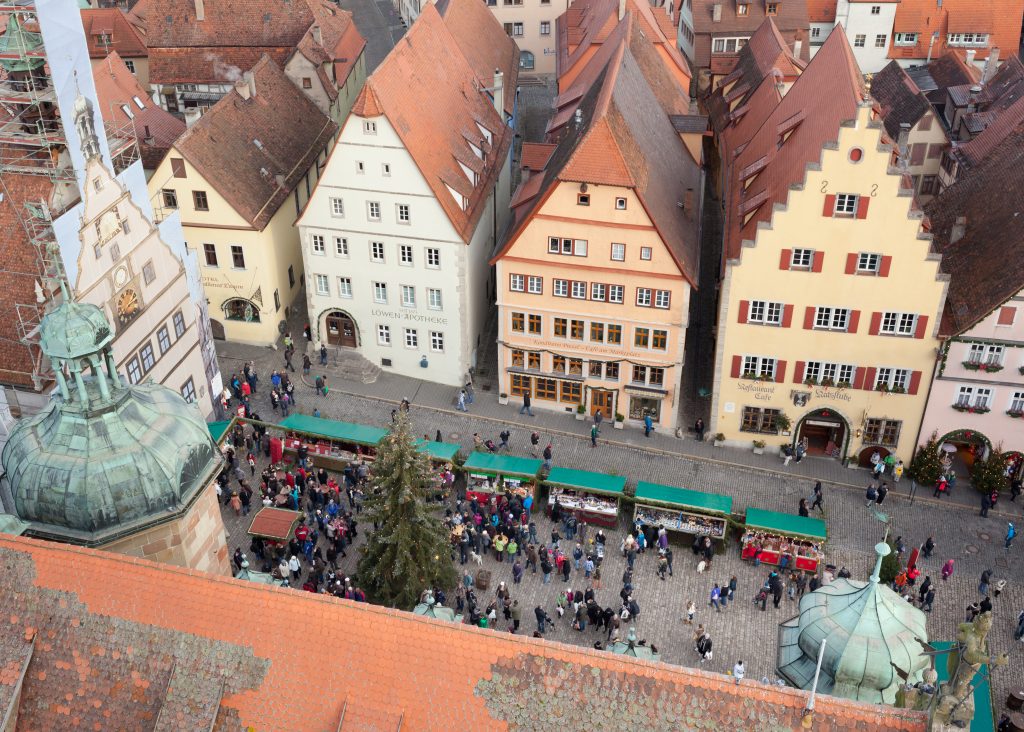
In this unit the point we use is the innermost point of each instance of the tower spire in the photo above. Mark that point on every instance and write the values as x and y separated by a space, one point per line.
86 127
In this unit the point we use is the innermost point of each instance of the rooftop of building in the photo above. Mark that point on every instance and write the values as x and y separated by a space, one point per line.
925 17
791 20
120 642
253 151
899 99
110 29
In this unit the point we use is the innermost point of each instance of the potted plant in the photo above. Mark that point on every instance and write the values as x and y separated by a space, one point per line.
828 381
502 398
844 385
1015 415
718 440
581 412
620 420
759 446
882 387
899 390
971 365
810 381
782 422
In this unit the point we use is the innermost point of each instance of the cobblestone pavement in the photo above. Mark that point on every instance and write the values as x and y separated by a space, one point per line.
741 630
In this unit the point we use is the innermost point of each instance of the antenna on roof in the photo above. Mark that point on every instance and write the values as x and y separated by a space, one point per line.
578 117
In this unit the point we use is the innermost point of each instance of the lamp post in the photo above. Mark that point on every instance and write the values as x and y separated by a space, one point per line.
808 717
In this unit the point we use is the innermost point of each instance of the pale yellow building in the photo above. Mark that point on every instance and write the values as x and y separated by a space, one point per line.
595 274
240 177
831 292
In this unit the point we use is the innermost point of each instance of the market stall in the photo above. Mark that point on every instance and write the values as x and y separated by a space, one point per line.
332 444
219 429
682 509
274 525
487 474
592 497
774 535
439 452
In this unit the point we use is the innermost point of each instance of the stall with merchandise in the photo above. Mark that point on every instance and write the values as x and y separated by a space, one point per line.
592 497
274 525
332 444
772 536
487 474
439 453
680 509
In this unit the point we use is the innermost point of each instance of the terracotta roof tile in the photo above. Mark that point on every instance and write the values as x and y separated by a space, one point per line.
436 108
821 11
257 179
209 64
125 38
535 155
791 19
154 128
186 648
898 97
999 127
957 16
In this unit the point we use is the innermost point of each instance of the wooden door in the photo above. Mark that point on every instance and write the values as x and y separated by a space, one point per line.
602 400
341 331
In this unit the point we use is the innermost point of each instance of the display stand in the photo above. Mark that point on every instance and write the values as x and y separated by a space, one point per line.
488 474
682 510
772 535
591 497
332 444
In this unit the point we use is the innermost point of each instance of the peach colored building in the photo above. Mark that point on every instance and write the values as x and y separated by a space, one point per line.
595 273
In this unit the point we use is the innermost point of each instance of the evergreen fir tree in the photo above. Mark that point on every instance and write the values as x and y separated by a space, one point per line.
926 466
409 551
990 474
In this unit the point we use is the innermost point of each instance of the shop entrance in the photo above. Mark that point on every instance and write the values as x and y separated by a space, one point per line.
825 432
341 330
603 401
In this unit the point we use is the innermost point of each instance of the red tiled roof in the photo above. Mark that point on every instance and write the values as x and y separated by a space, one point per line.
292 132
122 643
827 93
154 128
435 108
821 11
124 37
791 21
1001 126
898 98
209 64
535 155
925 17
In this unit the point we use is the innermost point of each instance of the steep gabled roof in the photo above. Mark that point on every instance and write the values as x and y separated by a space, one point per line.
986 266
125 38
154 128
1001 21
486 51
432 96
999 125
826 93
618 132
257 178
123 643
898 97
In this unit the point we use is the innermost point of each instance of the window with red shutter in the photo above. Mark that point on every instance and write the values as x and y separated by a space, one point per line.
915 382
787 316
780 372
798 372
785 258
869 378
876 323
853 322
862 207
883 270
744 309
808 318
830 205
922 326
737 363
851 263
1007 315
819 261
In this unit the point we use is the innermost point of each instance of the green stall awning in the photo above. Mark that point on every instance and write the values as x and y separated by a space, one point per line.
586 481
786 523
485 462
360 434
217 429
438 450
682 498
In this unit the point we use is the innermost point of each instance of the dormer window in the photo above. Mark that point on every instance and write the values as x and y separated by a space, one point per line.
742 9
772 8
485 132
104 39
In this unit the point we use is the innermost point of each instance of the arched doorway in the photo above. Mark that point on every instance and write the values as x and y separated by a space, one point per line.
826 432
341 329
970 445
217 329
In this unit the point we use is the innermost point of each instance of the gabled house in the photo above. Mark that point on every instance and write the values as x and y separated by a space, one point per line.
238 178
396 236
595 272
925 29
831 292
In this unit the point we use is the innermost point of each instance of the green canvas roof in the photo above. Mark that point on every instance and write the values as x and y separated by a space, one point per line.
485 462
587 481
683 497
360 434
438 450
217 429
785 523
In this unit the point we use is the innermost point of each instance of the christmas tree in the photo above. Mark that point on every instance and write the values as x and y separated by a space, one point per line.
926 467
409 551
990 474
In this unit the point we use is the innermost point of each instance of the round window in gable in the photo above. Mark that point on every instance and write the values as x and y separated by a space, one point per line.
856 154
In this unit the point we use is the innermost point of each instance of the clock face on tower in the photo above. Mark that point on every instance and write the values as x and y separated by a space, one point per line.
128 306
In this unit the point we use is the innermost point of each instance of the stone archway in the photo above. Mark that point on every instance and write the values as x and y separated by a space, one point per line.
827 432
338 328
970 445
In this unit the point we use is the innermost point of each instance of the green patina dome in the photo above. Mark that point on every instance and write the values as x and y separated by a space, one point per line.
103 459
17 41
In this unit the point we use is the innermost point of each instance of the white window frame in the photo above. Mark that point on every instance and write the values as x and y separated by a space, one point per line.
663 299
646 253
1017 402
434 298
598 291
369 127
405 255
728 44
801 259
560 288
535 285
345 287
846 204
323 285
578 290
373 210
618 252
338 208
765 312
403 213
341 246
829 318
905 39
892 378
408 296
317 244
758 366
967 39
432 257
644 297
411 338
898 324
617 294
990 355
377 252
517 283
383 335
579 247
437 341
869 263
380 292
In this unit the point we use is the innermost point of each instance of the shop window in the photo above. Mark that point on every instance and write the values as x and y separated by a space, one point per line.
547 389
521 385
572 391
756 419
882 432
640 407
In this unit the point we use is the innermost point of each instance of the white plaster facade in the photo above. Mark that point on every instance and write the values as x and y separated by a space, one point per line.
436 286
868 27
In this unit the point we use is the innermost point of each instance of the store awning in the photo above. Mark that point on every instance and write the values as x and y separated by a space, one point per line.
438 450
785 523
274 523
217 429
360 434
586 481
485 462
682 498
647 391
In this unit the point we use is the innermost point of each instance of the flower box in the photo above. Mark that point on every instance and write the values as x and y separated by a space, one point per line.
754 377
1015 415
991 368
759 446
503 399
828 382
970 409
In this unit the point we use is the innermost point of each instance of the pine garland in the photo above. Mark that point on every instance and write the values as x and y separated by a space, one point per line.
409 552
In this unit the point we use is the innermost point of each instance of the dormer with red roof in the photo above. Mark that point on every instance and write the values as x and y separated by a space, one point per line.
112 29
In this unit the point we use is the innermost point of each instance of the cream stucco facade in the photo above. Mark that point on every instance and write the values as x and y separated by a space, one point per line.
125 269
402 286
531 23
594 345
977 397
303 74
925 144
825 308
250 275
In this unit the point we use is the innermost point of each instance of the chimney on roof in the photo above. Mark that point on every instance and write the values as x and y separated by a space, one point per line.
622 8
990 65
499 92
200 9
716 13
242 87
903 146
798 46
147 136
318 37
958 230
688 202
972 102
970 56
251 80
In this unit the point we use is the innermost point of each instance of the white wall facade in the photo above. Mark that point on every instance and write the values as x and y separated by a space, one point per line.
684 30
870 25
367 168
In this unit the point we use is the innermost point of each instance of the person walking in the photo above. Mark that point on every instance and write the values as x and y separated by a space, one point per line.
648 425
461 404
983 583
288 351
698 427
534 442
897 471
871 494
542 618
323 354
548 453
738 672
527 402
986 504
929 598
883 491
691 610
598 419
593 435
925 586
716 595
662 567
307 364
928 547
802 510
818 497
1011 532
947 569
704 646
